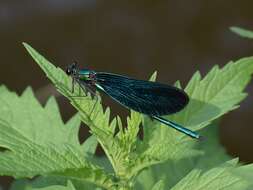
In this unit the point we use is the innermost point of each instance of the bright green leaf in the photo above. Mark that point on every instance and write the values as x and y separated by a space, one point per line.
98 120
37 142
90 145
217 93
159 185
58 187
173 155
221 177
242 32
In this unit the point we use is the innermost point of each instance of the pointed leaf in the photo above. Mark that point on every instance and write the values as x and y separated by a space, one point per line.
38 144
217 178
242 32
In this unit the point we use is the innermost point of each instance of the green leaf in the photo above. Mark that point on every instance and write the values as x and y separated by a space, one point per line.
90 145
98 120
159 185
153 76
178 168
242 32
21 184
118 147
217 93
217 178
178 84
47 181
210 145
37 142
57 187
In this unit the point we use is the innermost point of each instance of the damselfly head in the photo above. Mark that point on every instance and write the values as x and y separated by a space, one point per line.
72 69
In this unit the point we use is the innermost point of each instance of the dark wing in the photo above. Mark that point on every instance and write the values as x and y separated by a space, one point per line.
150 98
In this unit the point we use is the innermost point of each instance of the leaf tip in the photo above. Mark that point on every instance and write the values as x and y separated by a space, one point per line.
153 76
26 45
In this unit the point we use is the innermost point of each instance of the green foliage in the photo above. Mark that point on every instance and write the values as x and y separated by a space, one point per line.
216 178
38 143
242 32
69 186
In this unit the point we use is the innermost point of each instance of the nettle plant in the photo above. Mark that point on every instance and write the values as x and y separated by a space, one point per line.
38 145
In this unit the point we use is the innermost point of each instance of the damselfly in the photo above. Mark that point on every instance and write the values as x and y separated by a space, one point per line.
150 98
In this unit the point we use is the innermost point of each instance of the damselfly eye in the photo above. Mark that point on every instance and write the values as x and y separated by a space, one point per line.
68 71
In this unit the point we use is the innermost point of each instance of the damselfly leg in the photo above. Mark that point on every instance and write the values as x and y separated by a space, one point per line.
86 88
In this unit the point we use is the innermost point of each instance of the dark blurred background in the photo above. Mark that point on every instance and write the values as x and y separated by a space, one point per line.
135 38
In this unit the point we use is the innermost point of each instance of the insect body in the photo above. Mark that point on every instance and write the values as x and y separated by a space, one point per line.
150 98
